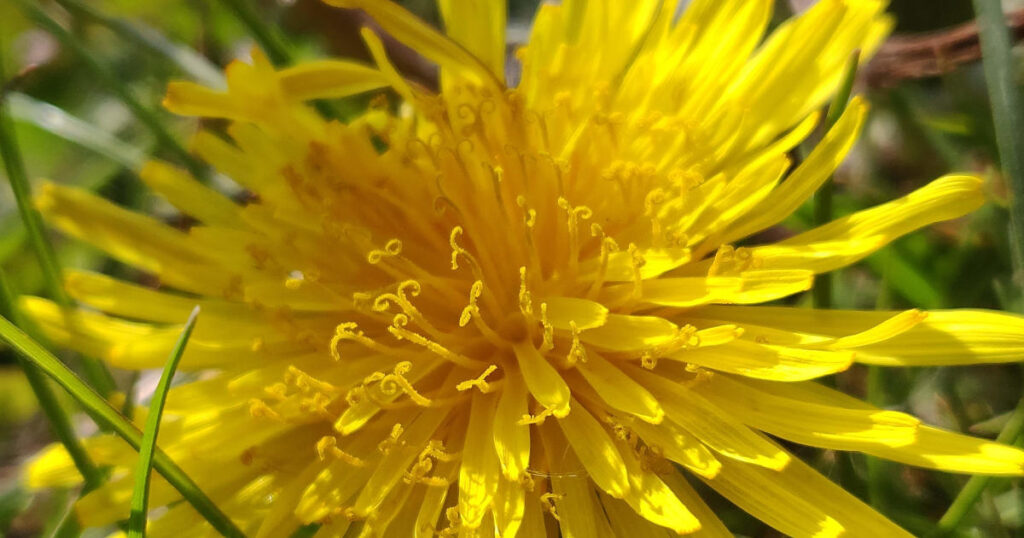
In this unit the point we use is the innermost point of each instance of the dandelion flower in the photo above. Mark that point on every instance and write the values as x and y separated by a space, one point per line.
501 309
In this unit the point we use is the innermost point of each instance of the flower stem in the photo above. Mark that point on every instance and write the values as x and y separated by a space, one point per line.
822 292
95 371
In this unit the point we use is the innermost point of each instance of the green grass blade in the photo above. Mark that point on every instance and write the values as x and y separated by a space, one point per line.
191 63
1007 116
97 373
972 490
106 416
110 79
55 120
269 40
823 213
140 496
58 418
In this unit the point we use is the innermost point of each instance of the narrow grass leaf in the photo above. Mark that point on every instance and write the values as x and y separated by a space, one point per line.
55 120
107 416
57 416
97 373
190 62
140 495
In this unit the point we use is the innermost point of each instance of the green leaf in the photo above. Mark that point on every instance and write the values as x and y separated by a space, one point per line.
55 120
140 496
106 416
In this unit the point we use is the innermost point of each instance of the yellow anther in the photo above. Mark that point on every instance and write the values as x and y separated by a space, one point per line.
391 248
549 330
648 360
574 215
478 382
475 291
293 283
392 383
636 261
398 330
317 404
525 297
608 245
257 344
306 382
328 446
537 419
350 331
394 439
259 409
277 391
577 352
547 502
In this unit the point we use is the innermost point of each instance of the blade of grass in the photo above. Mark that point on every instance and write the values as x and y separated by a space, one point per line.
55 120
140 495
105 415
822 291
971 492
191 63
95 371
1008 118
58 418
110 79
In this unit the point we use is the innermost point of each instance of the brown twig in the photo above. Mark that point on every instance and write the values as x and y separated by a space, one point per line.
932 54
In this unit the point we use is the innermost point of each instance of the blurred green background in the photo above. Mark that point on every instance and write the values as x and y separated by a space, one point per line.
930 116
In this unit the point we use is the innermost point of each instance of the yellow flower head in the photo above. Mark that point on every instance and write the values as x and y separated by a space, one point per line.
516 309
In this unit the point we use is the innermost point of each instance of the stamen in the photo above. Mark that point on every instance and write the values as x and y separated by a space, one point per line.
259 409
472 312
525 297
549 330
391 249
395 381
393 440
478 382
537 419
398 330
574 215
636 262
328 446
653 199
547 502
577 353
608 245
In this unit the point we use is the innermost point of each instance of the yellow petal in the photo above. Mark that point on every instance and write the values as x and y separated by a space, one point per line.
710 525
596 450
329 79
798 501
806 179
619 390
944 337
779 363
717 429
190 196
562 312
478 475
395 463
932 448
654 501
511 439
509 507
679 446
420 37
631 333
543 380
747 288
809 423
479 26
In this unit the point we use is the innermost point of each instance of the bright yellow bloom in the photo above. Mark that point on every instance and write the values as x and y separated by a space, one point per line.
506 309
